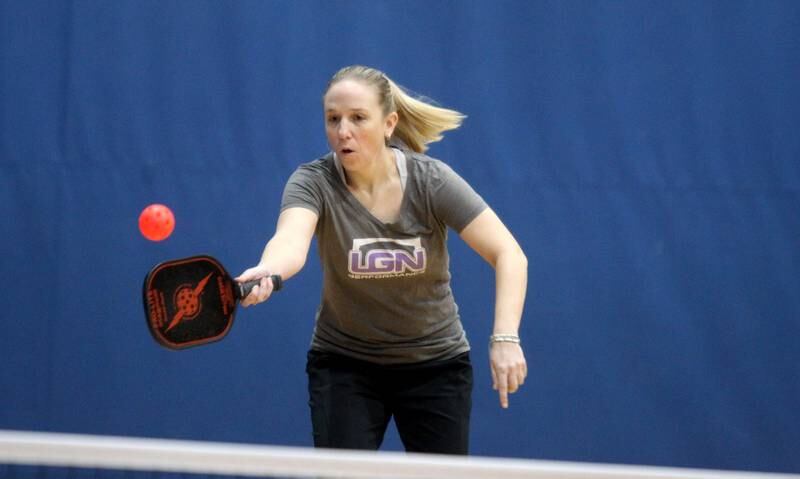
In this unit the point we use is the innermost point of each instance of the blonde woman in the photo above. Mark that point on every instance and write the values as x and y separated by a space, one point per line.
388 341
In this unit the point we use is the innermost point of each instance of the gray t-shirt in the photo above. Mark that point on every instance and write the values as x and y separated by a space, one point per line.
386 294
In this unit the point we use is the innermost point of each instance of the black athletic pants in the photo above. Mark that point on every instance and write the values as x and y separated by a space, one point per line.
352 402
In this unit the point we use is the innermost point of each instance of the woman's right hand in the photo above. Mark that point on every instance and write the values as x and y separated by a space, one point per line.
260 292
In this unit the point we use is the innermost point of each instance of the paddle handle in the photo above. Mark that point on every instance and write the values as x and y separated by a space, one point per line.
244 288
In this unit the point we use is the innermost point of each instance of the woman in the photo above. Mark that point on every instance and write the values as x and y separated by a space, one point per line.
388 341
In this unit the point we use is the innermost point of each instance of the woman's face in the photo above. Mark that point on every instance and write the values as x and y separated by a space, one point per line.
354 123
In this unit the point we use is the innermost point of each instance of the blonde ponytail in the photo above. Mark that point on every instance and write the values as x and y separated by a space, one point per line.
419 122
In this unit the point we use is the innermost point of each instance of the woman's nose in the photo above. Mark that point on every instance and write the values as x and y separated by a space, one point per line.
344 129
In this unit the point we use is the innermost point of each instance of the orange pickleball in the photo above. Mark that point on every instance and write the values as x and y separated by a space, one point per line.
156 222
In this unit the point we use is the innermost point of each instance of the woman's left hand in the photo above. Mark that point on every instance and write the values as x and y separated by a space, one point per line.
508 369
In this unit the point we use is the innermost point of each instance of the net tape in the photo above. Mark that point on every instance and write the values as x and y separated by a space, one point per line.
201 457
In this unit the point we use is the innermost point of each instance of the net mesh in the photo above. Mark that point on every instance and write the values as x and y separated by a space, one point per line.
48 455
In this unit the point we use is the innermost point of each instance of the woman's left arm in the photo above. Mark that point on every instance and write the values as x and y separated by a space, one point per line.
490 238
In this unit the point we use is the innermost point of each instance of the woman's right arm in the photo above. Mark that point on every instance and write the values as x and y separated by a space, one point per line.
285 253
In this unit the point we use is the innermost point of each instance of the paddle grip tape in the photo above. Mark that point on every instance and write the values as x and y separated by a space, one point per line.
247 286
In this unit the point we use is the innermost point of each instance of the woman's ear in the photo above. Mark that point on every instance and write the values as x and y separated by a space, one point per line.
390 123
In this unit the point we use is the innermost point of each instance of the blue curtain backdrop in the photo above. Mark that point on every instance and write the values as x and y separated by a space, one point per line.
645 154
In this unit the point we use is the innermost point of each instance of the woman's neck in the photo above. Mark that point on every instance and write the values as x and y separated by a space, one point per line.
379 172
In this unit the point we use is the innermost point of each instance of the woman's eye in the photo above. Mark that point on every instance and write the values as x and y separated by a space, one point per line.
333 119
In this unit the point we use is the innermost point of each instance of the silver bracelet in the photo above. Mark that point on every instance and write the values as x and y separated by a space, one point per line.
504 338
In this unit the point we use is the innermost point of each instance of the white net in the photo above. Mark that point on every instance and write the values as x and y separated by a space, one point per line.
46 455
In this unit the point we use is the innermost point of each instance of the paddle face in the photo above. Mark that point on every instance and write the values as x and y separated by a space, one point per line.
189 302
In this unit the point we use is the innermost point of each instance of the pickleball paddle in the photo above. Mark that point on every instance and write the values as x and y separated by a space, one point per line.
192 301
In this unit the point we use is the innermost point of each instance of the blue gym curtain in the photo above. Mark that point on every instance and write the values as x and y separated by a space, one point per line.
644 153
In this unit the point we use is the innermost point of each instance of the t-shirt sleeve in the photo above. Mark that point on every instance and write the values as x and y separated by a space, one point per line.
455 203
302 190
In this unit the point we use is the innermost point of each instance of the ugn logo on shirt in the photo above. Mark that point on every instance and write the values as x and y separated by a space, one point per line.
386 258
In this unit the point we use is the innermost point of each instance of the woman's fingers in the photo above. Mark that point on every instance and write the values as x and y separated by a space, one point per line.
261 291
502 388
